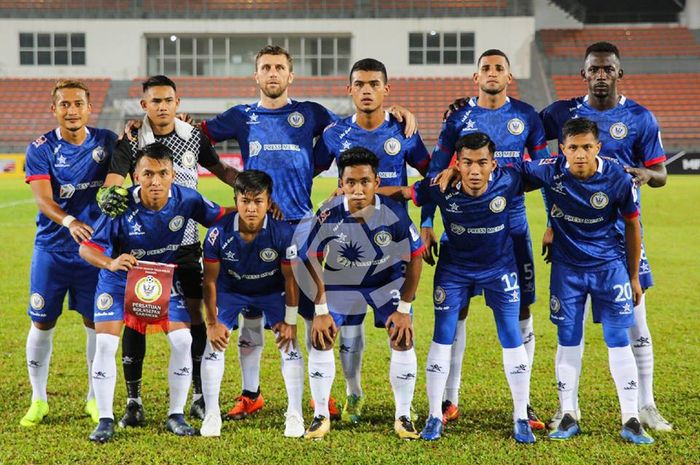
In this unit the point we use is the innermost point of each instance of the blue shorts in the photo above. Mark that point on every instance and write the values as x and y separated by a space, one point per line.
109 303
348 305
454 286
522 247
53 274
231 304
610 290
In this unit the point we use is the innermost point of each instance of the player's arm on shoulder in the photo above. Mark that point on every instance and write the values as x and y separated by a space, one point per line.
396 192
224 172
404 115
654 175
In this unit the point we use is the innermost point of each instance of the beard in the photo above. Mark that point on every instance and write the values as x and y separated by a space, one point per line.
493 90
273 94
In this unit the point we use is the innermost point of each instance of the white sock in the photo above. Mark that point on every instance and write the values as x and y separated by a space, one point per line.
517 369
250 346
454 379
104 372
352 344
567 367
293 375
180 369
437 369
90 356
212 374
38 349
643 351
624 372
307 335
402 374
528 333
321 376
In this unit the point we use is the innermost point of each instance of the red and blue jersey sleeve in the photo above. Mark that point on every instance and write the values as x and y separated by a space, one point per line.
37 164
324 151
204 211
648 146
536 141
553 119
417 154
286 246
212 244
106 231
628 197
223 126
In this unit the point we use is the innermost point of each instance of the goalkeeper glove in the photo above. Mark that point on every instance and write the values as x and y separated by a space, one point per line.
112 200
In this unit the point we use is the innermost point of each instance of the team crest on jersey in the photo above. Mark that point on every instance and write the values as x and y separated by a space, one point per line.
104 301
439 295
382 238
392 146
556 212
296 120
498 204
98 154
148 289
268 255
176 223
516 126
254 148
189 160
138 253
618 131
554 304
457 228
599 200
66 191
36 301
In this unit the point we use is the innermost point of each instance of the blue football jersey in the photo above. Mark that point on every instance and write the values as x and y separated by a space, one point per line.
75 172
387 142
278 142
628 132
514 128
583 213
154 236
477 229
363 254
250 268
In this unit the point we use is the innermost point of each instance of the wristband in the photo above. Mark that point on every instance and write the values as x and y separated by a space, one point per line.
67 220
290 314
404 307
321 309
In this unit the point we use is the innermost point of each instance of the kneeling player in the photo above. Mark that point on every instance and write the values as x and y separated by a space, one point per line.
248 269
590 257
152 227
363 250
478 254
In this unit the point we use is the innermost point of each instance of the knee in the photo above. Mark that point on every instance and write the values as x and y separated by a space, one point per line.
180 340
106 344
509 334
569 335
615 337
445 328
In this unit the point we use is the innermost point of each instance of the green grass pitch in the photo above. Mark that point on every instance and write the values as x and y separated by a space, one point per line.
481 435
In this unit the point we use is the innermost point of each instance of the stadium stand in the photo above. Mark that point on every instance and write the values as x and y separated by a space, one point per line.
24 108
633 41
672 97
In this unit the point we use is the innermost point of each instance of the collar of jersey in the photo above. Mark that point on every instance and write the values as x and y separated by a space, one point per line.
473 100
377 203
620 102
137 198
259 105
387 116
235 222
600 164
58 133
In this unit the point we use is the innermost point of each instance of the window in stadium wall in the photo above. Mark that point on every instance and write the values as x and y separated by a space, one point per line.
440 48
180 55
51 49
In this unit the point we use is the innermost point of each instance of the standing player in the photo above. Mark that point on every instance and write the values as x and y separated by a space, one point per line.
276 135
375 129
190 148
590 256
152 227
630 133
65 167
515 127
248 267
363 250
477 254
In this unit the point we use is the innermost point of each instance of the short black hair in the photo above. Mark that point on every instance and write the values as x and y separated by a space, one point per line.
156 151
493 52
577 126
602 47
252 182
475 141
157 81
369 64
355 156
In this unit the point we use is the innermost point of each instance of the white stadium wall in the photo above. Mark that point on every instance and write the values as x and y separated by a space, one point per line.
116 48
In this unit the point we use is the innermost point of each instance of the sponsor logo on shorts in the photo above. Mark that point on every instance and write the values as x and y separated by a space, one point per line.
148 289
498 204
618 131
189 160
382 238
296 120
268 255
392 146
98 154
439 295
176 223
626 309
599 200
36 301
104 301
516 126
